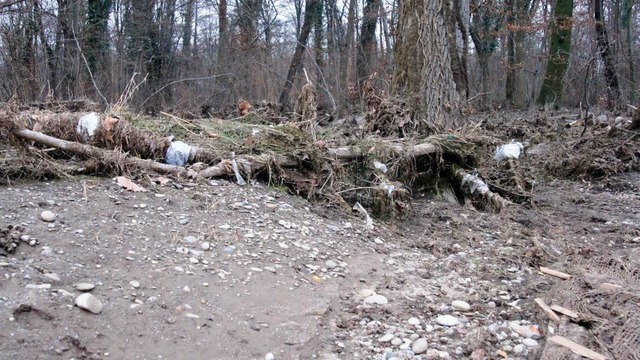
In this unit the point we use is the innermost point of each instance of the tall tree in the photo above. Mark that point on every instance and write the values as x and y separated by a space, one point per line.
367 50
559 51
301 46
96 33
610 76
486 21
423 62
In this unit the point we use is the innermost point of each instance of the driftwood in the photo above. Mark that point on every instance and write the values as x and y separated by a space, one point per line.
112 156
351 152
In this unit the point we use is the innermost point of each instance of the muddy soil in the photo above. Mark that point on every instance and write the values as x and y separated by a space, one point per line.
219 271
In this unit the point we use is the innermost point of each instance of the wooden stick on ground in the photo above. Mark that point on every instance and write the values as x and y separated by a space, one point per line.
546 309
555 273
577 348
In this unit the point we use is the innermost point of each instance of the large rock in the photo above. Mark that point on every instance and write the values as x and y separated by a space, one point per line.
89 302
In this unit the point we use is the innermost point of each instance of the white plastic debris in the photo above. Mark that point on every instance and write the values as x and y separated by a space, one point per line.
388 188
508 151
87 126
234 164
369 222
380 166
178 153
476 184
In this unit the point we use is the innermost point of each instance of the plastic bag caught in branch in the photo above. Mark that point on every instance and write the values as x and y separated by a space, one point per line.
87 126
368 223
234 164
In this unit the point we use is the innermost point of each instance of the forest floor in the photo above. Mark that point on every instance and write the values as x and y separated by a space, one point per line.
218 271
209 269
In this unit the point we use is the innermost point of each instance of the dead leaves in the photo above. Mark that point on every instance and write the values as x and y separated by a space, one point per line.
127 184
108 124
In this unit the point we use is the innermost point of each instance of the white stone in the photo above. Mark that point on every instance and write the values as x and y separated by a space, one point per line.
47 216
330 264
518 349
89 302
205 246
53 277
420 346
38 286
447 320
414 321
84 286
190 239
529 342
385 338
461 305
376 299
269 356
135 284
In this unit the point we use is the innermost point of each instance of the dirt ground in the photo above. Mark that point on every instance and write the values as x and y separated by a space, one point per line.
218 271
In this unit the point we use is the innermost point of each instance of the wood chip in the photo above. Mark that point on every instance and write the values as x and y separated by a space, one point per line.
555 273
577 348
564 311
546 309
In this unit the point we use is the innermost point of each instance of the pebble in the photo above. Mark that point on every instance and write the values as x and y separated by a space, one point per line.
205 246
53 277
84 286
46 251
529 342
396 342
527 331
420 346
25 238
47 216
385 338
135 284
414 321
461 305
518 349
269 356
89 302
270 268
366 292
184 221
447 320
376 299
330 264
190 239
38 286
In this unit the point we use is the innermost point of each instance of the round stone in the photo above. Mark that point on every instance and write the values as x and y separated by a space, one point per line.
530 342
461 305
47 216
420 346
89 302
84 286
205 246
376 299
414 321
447 320
385 338
135 284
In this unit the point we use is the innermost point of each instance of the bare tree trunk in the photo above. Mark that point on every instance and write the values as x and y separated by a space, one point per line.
367 51
296 61
613 90
423 63
559 52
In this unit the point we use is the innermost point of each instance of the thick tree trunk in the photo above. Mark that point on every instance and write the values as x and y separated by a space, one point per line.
423 62
296 62
559 52
367 50
611 78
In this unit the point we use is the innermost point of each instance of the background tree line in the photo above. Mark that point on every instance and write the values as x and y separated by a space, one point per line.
206 54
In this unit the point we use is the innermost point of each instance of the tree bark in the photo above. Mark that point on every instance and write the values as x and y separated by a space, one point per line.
423 62
610 76
296 61
367 49
559 53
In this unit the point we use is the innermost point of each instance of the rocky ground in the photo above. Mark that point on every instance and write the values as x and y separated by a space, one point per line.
218 271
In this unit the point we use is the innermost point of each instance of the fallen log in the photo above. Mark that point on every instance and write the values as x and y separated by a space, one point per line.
351 152
112 157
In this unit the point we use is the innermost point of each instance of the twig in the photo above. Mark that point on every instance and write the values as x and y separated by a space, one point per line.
182 80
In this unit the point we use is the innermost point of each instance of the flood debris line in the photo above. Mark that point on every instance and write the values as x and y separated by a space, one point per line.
346 171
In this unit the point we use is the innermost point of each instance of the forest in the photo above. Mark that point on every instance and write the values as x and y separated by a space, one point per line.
203 56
